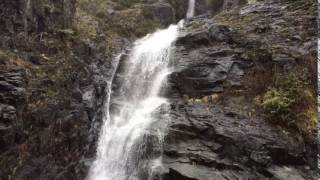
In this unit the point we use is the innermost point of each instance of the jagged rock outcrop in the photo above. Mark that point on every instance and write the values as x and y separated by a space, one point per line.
216 131
217 63
219 142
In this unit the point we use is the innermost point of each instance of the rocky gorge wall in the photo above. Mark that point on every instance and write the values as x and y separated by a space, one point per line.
218 129
56 60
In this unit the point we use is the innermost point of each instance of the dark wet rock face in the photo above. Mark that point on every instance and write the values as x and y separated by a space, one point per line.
210 141
12 97
12 84
215 131
205 61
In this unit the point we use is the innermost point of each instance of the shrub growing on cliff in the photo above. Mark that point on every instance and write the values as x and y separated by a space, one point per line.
290 103
276 104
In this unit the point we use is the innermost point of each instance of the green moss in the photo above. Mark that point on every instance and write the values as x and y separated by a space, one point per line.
197 24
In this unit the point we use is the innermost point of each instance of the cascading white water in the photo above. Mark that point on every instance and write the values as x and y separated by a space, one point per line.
145 71
27 12
190 12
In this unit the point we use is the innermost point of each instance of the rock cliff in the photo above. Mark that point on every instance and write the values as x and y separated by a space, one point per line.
217 131
56 60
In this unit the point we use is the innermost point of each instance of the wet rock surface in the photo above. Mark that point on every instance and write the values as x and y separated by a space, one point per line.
204 61
216 132
206 142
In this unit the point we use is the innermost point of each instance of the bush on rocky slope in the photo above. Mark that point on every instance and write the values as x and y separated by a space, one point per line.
289 104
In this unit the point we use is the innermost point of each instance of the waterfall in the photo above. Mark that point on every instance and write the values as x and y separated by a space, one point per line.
190 12
137 104
27 13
